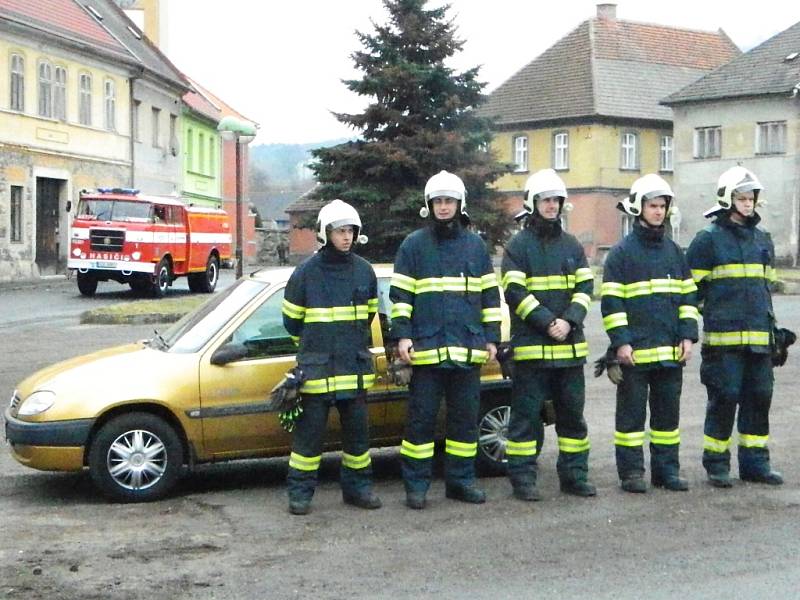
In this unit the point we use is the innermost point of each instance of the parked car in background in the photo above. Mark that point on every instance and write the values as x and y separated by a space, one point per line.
137 414
146 241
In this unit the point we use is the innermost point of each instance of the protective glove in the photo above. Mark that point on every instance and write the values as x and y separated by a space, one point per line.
399 372
780 349
609 363
286 393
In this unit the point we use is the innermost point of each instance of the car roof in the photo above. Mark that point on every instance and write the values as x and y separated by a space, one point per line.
274 275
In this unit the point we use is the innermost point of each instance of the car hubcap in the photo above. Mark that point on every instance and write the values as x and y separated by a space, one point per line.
493 434
137 460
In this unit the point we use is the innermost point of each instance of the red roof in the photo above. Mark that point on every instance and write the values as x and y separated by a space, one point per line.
225 108
61 17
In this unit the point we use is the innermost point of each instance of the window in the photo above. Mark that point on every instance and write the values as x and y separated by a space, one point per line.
630 155
263 333
17 83
155 127
201 153
707 142
60 94
16 213
771 137
45 89
561 150
173 134
85 99
212 158
521 153
666 153
189 149
110 96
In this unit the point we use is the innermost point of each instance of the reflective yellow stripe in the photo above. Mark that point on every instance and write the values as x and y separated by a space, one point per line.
337 313
488 281
418 451
463 449
615 320
631 440
304 463
573 445
738 270
583 274
527 305
555 352
688 286
372 303
653 286
295 339
454 353
550 282
491 315
612 288
336 384
753 441
687 311
661 353
448 284
582 299
521 448
516 277
714 445
404 282
736 338
401 309
771 274
699 274
293 311
665 438
350 461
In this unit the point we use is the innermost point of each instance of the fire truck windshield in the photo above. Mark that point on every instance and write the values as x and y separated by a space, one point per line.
114 210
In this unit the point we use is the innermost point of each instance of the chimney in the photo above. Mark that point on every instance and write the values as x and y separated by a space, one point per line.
607 11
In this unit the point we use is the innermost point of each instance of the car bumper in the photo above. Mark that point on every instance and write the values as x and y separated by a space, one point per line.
53 446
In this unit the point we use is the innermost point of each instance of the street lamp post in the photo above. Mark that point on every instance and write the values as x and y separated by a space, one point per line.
240 132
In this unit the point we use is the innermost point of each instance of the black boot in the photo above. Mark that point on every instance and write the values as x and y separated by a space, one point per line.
299 506
578 488
673 483
722 479
366 500
526 492
415 500
634 484
769 477
465 493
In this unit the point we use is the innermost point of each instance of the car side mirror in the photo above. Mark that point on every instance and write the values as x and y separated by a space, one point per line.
228 353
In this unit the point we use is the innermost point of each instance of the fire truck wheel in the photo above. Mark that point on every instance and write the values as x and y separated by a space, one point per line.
162 279
206 281
135 457
87 284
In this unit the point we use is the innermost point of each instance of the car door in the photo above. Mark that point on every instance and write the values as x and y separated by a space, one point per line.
234 395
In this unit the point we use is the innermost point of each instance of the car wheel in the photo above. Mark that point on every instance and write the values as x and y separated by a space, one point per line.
135 457
87 284
205 282
161 279
492 437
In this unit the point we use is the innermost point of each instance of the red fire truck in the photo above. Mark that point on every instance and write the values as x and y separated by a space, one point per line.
146 241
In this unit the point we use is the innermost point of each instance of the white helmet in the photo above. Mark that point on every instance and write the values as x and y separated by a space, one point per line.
544 184
447 185
735 179
645 188
338 214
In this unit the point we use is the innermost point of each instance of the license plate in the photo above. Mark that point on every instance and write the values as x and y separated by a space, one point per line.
104 264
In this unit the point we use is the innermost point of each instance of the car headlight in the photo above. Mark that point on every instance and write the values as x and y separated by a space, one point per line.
37 403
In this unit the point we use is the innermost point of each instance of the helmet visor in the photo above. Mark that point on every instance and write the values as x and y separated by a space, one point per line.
344 223
656 194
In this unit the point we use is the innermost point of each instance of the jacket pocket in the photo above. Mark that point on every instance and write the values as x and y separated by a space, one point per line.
366 362
315 365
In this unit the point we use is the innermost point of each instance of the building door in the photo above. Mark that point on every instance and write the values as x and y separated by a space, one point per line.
48 252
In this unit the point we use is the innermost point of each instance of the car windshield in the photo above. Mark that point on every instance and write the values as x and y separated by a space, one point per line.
196 328
114 210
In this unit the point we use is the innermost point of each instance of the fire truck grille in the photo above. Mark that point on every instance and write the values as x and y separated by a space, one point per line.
106 240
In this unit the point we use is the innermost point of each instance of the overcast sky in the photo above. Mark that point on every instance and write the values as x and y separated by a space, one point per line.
281 62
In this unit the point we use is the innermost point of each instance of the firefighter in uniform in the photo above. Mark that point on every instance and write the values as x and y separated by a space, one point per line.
732 262
446 317
328 306
548 286
650 314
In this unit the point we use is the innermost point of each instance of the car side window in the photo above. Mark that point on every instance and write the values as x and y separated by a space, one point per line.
384 306
263 333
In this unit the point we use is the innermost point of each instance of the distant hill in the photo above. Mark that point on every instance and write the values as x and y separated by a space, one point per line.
284 164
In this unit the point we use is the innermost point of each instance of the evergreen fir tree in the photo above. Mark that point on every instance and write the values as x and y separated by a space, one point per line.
421 120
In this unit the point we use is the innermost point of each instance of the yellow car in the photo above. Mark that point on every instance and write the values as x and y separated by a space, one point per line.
135 415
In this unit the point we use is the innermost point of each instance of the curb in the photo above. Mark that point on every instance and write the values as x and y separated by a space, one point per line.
88 318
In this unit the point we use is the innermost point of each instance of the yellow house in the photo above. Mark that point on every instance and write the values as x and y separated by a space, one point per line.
588 107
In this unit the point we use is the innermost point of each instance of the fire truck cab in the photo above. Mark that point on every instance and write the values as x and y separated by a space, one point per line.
146 241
